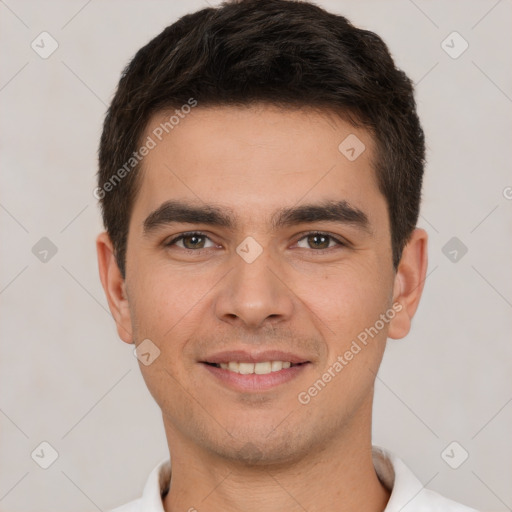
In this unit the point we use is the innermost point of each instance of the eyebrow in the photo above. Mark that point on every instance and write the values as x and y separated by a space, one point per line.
175 211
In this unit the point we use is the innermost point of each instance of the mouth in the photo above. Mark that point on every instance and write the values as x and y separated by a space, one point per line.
245 372
262 368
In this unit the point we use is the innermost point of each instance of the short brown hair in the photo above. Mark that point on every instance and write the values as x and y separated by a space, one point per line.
283 52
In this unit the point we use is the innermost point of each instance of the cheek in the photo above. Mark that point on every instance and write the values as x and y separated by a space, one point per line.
355 335
156 307
168 308
162 297
163 311
348 300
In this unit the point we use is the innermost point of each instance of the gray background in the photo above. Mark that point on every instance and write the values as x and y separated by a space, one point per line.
66 378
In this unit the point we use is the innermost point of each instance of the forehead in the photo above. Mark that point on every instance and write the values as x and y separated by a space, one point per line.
257 159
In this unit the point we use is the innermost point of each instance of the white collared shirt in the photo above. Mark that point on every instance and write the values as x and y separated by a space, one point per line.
407 492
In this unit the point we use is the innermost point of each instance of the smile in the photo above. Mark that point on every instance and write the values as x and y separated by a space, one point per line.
249 377
261 368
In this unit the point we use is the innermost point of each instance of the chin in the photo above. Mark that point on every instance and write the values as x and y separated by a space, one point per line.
262 448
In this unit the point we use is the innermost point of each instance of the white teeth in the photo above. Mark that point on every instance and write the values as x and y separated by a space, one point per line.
245 368
262 368
277 365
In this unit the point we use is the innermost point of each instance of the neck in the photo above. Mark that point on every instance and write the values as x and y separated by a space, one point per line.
339 476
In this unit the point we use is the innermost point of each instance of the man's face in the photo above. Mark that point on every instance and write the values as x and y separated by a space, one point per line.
269 288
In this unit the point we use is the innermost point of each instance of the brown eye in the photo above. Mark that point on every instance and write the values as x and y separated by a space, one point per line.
320 241
190 241
193 241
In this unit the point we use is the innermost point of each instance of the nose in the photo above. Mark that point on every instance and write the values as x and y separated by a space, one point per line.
254 294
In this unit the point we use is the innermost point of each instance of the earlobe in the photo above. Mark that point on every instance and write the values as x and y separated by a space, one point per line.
409 282
114 286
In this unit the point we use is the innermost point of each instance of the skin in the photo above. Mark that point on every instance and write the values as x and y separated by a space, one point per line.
263 450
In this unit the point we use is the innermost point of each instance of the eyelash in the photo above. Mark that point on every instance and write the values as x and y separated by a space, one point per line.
305 235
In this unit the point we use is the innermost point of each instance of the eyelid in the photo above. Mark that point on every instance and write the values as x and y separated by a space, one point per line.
185 234
339 241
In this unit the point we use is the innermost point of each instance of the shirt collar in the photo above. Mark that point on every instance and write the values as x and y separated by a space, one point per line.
407 493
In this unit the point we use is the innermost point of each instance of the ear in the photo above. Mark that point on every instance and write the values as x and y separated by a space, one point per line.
114 286
409 280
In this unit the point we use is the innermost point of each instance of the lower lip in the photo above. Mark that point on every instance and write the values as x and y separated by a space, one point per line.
254 382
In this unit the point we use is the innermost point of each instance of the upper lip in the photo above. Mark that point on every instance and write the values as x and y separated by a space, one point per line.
253 356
